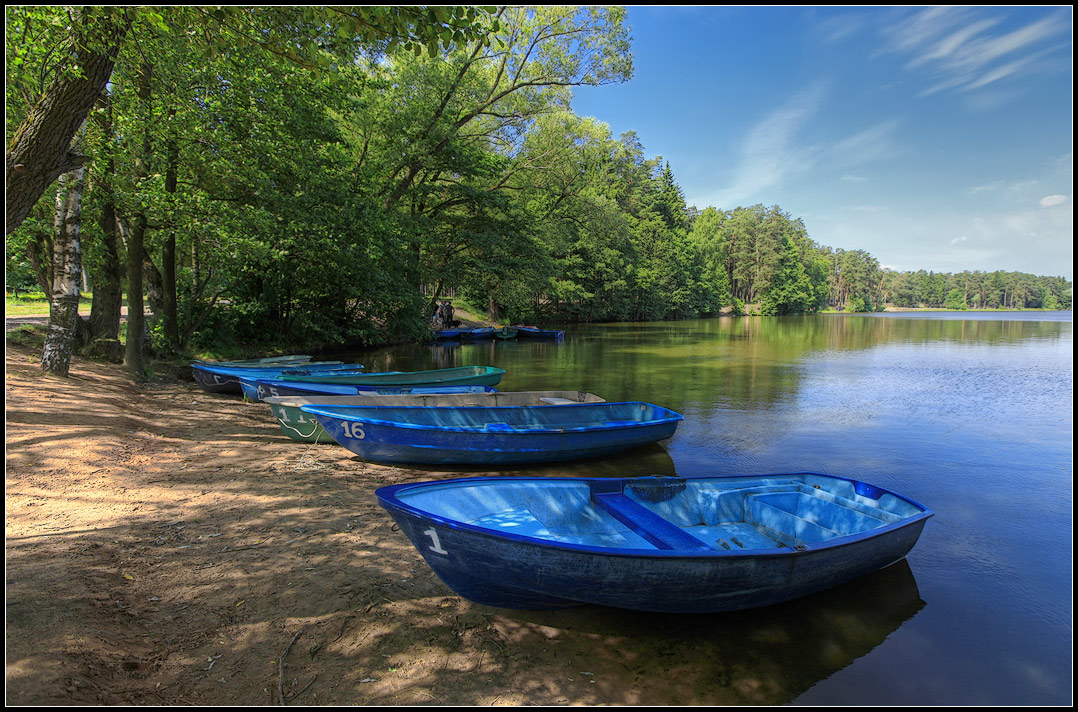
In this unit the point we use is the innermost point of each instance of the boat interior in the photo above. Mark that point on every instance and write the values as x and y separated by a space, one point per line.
670 514
507 418
492 398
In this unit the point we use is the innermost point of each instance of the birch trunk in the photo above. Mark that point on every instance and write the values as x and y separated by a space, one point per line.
67 271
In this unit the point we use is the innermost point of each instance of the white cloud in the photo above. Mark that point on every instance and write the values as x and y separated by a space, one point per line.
987 187
1052 200
774 151
1034 240
961 49
873 144
770 153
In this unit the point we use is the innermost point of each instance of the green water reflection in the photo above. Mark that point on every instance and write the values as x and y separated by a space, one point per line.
969 414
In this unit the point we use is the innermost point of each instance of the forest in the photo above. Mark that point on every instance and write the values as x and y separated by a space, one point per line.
274 178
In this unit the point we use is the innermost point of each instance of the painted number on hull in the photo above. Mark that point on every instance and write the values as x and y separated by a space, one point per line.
353 430
436 547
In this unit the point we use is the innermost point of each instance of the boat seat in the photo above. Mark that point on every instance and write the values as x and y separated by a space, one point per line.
557 401
659 532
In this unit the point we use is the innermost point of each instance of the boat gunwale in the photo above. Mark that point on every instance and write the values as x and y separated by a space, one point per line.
622 425
450 371
360 389
388 496
315 398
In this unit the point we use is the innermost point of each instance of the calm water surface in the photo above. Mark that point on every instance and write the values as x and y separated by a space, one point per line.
969 414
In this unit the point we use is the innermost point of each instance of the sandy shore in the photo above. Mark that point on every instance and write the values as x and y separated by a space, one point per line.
166 546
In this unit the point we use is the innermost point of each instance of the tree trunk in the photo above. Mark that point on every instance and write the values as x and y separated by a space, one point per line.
170 313
108 283
40 151
39 252
134 356
67 270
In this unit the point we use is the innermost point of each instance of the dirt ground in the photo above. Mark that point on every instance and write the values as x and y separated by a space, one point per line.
165 546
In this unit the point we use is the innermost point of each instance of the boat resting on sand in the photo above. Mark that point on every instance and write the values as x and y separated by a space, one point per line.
214 378
662 544
486 435
274 388
304 427
269 361
461 376
253 386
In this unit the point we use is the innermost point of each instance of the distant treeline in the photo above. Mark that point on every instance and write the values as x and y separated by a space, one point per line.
286 176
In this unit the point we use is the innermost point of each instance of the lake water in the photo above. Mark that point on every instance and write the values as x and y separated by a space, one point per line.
968 413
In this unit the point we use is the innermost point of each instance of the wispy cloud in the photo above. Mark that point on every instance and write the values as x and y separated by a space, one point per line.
962 49
872 144
1053 200
986 188
958 240
777 150
771 152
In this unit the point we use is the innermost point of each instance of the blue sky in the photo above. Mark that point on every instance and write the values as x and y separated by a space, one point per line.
934 138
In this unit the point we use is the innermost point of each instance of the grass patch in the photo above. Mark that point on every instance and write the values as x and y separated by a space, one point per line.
36 304
29 335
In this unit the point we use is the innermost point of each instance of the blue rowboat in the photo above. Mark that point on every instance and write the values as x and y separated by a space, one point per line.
271 361
249 384
226 379
479 333
531 332
662 544
304 427
462 376
494 435
272 388
447 334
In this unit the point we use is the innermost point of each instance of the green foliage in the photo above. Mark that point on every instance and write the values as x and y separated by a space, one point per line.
432 150
857 304
955 300
791 290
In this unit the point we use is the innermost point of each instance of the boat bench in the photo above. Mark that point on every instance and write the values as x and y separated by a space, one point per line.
658 531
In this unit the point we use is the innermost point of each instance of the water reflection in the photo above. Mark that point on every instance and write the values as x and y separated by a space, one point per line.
650 459
969 413
740 363
765 656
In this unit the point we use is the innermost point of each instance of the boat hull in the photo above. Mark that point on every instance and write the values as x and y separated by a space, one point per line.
226 378
463 376
276 388
531 332
508 571
474 436
305 428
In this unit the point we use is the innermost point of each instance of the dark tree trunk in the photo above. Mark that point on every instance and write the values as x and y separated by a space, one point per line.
170 313
134 355
108 281
40 151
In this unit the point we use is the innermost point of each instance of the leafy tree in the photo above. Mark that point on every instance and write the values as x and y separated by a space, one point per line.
955 299
792 291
